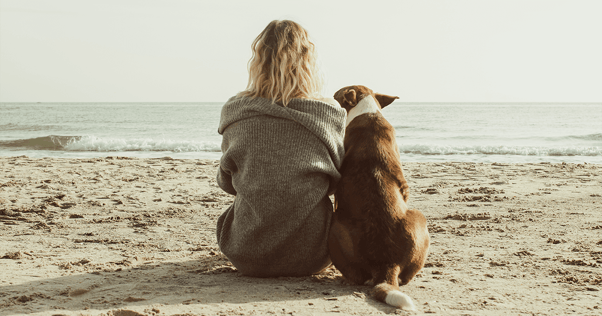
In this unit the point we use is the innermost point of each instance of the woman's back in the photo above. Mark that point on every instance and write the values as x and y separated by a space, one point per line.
281 162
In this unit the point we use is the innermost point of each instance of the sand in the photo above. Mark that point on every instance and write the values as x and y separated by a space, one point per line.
127 236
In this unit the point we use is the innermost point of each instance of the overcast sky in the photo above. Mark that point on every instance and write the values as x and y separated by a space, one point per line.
197 50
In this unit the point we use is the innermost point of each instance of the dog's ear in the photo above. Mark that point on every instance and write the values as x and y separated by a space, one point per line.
384 99
350 97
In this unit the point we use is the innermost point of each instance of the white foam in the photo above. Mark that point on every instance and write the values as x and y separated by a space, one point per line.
399 299
107 144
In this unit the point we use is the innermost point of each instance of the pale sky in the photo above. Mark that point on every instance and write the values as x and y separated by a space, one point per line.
197 50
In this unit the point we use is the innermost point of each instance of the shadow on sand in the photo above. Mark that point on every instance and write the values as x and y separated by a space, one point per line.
173 283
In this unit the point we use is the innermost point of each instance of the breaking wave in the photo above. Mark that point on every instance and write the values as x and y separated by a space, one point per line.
107 144
500 150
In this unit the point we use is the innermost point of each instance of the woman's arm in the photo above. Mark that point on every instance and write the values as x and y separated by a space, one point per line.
224 180
226 167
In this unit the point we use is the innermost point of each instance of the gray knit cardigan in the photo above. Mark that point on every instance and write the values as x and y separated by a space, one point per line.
281 163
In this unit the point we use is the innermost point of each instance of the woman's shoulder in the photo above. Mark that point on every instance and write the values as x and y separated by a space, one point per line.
319 106
330 101
322 102
236 97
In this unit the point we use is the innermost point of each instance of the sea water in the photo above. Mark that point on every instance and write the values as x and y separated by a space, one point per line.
487 132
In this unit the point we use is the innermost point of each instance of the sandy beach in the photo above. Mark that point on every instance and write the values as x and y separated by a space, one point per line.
131 236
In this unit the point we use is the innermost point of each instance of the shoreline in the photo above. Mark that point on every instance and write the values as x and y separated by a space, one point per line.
136 236
216 155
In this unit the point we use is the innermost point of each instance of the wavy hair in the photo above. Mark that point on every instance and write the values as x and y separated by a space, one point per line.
283 65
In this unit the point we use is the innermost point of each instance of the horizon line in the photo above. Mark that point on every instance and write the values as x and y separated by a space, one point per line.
397 101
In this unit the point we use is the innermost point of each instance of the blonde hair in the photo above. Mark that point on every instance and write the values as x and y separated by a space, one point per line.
283 65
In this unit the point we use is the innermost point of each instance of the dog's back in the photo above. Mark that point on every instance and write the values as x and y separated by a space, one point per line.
371 154
374 191
374 234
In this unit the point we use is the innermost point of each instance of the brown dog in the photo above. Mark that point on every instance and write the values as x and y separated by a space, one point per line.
373 234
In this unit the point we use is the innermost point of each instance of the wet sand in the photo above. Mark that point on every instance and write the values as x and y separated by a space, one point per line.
127 236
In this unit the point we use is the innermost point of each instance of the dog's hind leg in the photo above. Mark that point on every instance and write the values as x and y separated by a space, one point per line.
408 273
421 245
342 254
386 287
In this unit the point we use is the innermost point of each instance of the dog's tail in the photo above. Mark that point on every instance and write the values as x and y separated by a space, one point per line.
391 295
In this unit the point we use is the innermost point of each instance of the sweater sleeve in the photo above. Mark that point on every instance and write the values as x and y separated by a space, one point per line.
224 180
226 167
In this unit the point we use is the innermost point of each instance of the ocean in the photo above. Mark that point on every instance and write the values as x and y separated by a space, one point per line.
467 132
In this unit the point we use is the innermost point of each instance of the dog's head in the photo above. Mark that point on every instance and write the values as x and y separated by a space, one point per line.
350 96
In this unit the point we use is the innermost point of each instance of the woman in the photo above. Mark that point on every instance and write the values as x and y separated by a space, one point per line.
282 147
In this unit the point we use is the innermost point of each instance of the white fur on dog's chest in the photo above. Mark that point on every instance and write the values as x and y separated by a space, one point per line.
366 105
